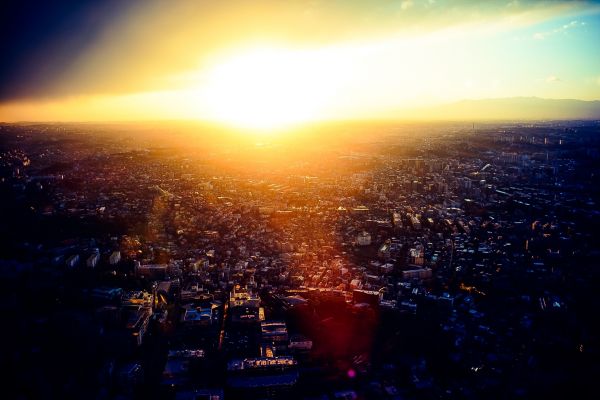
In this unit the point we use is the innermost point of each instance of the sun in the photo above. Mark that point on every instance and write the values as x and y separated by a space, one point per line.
268 89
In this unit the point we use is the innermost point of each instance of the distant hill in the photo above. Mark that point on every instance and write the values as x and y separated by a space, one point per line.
514 108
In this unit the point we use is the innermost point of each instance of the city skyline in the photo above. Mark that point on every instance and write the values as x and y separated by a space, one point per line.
373 261
300 200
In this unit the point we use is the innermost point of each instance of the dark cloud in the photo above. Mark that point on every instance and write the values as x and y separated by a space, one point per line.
40 39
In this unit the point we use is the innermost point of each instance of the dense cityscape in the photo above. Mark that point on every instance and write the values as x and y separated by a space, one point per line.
383 261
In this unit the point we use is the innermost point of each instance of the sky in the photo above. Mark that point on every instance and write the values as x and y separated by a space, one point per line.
266 64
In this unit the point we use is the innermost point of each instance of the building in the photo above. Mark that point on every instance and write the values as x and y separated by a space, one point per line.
300 342
244 306
360 210
364 238
366 296
151 271
243 298
263 377
397 220
114 258
385 250
166 292
106 295
92 260
415 221
139 297
136 319
198 316
200 394
178 366
72 261
129 375
274 334
417 273
417 255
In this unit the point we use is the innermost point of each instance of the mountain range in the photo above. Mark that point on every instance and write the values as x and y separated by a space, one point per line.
513 108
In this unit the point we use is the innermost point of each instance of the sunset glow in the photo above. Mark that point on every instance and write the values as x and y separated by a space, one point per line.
270 88
272 65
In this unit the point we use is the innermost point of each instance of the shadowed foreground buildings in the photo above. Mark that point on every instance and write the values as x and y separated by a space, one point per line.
434 261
